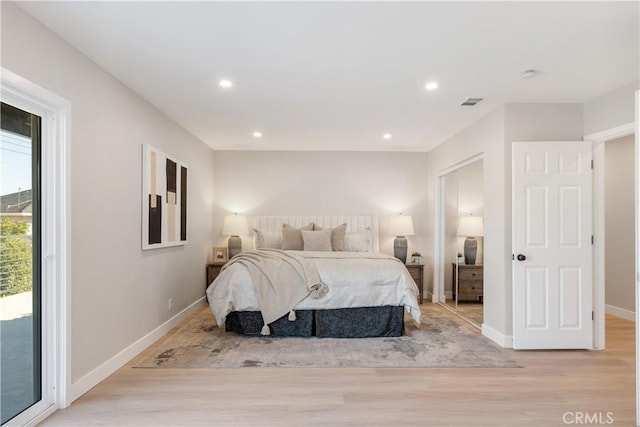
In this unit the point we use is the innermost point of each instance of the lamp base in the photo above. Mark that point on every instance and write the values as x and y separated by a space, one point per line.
235 246
470 250
400 248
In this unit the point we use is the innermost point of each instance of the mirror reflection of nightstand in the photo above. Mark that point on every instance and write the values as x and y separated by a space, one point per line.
470 283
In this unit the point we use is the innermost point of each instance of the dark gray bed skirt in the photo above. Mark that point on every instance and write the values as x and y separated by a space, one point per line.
365 322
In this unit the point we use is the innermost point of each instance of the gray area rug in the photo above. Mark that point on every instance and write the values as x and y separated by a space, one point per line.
439 342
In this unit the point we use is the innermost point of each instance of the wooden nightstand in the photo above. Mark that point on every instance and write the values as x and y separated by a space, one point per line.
213 269
470 284
417 272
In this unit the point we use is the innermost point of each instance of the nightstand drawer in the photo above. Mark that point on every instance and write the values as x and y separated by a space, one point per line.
470 274
469 289
415 274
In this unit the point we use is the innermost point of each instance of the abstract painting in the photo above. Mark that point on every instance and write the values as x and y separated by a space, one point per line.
164 199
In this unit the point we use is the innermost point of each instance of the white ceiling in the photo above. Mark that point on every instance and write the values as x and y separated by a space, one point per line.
338 75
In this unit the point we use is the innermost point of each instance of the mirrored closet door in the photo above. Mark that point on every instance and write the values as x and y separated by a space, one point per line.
463 231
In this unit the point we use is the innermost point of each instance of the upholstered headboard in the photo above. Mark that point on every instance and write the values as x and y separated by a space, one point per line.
354 223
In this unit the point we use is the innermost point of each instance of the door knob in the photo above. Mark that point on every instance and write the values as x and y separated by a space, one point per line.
521 257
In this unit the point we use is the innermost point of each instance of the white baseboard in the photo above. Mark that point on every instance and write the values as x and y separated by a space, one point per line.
620 312
502 340
94 377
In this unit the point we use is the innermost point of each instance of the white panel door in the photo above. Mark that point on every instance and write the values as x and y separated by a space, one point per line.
552 245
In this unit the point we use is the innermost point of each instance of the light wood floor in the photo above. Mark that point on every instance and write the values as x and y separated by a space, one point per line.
550 384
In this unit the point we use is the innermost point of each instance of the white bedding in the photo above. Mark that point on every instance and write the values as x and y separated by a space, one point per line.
355 279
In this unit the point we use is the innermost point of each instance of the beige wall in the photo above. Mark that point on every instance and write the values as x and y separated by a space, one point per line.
323 183
611 109
620 223
118 292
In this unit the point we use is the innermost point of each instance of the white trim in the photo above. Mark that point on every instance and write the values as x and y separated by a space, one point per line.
613 133
599 139
499 338
622 313
637 169
98 375
459 165
56 228
599 338
438 241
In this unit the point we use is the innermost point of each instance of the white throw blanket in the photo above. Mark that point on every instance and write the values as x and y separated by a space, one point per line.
281 281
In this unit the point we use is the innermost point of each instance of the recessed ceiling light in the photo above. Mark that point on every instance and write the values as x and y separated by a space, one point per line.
387 136
257 134
225 83
431 86
529 74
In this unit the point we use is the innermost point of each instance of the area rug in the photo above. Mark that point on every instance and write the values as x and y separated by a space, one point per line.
439 342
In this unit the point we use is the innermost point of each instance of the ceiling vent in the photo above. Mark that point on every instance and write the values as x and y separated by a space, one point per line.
471 102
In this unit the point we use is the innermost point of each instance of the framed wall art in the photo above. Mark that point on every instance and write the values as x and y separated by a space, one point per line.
164 199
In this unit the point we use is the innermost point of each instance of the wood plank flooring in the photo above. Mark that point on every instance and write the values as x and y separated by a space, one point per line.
552 389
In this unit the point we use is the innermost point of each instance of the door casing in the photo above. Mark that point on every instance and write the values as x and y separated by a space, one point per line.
56 234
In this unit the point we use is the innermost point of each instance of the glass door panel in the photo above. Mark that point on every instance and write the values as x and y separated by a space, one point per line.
20 278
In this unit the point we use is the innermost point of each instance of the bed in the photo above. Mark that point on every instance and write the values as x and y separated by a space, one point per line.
366 295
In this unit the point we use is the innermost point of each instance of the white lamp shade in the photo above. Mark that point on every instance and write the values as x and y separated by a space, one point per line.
401 225
470 226
235 225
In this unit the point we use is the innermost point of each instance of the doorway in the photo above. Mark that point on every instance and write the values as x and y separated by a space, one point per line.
619 221
599 254
460 284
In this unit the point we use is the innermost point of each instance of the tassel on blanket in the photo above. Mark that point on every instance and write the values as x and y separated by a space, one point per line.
265 330
318 290
292 316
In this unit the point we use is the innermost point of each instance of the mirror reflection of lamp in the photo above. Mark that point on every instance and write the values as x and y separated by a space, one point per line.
471 227
400 226
235 226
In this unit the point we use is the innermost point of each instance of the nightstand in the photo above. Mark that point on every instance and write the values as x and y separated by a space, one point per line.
470 281
417 273
213 269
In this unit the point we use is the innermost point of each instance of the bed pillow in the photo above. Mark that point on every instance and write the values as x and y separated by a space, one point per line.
358 242
268 239
337 236
292 238
317 240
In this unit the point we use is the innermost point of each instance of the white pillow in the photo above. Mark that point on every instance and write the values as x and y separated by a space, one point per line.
359 241
268 239
317 240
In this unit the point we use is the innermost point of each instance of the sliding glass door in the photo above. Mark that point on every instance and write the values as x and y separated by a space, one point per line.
21 355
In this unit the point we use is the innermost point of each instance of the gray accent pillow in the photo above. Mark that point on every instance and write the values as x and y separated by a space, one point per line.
268 239
337 236
292 237
317 240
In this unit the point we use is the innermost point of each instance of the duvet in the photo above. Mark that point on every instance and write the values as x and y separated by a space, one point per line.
353 279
